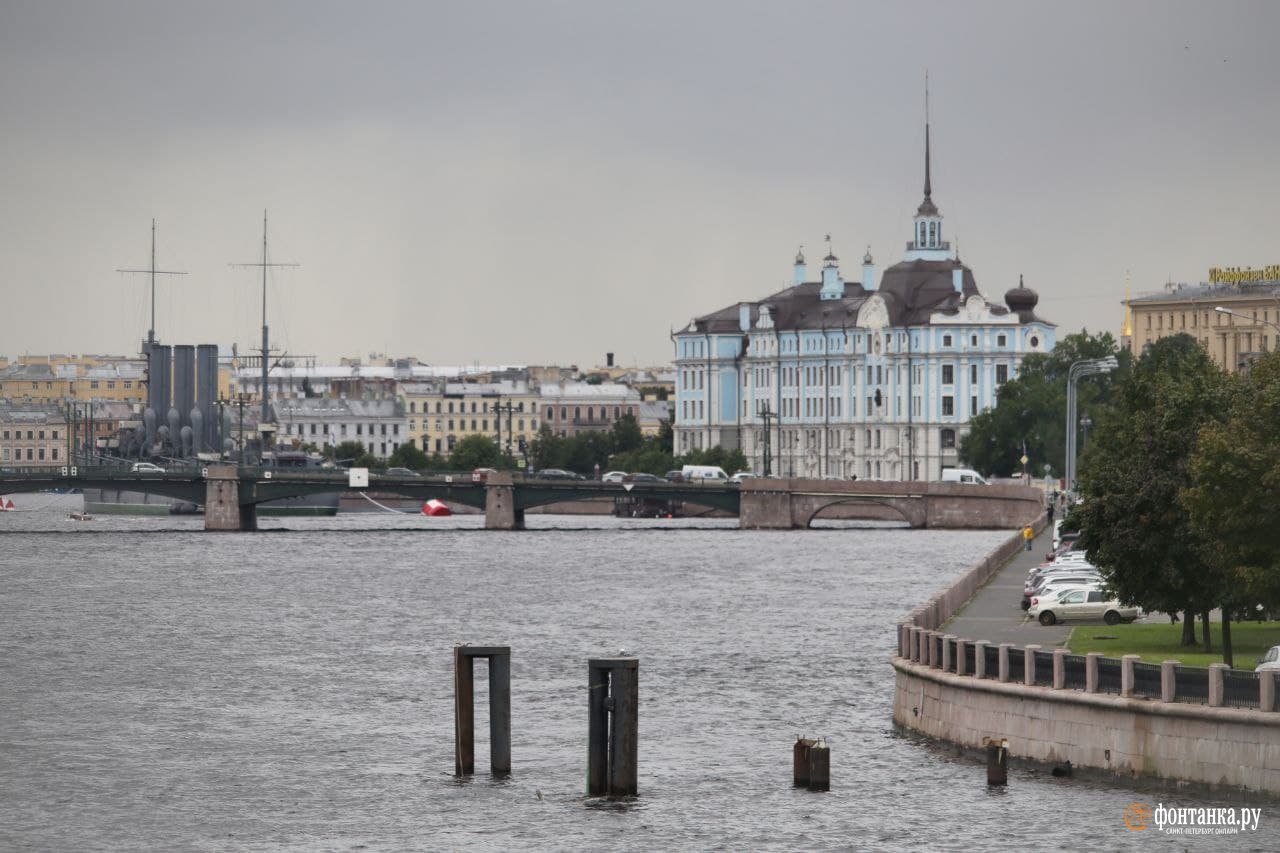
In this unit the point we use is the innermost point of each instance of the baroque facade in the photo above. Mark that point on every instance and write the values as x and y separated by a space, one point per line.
869 379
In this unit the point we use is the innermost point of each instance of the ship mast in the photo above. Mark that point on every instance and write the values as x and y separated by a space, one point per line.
151 332
266 350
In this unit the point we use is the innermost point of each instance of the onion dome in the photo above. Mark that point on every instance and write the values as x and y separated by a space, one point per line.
1021 299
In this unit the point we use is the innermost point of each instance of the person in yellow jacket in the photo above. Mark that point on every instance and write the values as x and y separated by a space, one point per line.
1027 535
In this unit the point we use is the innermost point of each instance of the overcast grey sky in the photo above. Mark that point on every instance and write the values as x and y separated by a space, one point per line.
545 182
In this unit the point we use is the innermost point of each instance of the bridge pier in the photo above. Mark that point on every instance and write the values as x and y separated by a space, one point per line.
765 508
222 507
500 511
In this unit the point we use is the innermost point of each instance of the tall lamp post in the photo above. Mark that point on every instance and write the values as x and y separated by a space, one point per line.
1086 367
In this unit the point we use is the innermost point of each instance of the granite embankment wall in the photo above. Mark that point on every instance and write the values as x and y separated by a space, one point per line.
1049 707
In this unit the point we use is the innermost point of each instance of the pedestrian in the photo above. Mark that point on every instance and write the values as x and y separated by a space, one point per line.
1028 534
1050 511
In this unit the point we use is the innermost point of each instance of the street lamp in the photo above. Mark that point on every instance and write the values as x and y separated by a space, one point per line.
1222 310
1086 367
1085 423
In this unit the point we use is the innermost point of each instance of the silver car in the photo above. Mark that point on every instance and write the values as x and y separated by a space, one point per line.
1077 604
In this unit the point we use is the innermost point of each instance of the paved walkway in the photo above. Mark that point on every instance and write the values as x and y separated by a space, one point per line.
995 614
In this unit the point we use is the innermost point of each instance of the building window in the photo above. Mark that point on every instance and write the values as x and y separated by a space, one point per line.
948 405
948 439
1002 340
948 374
1002 374
973 406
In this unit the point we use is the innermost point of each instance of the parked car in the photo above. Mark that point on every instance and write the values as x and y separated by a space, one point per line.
481 475
557 474
674 476
1077 604
401 472
703 472
146 468
642 477
614 477
1053 586
1270 661
740 476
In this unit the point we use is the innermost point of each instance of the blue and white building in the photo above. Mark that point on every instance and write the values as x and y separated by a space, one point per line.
876 379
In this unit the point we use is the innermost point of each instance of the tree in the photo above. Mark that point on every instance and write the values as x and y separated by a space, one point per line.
1131 520
476 451
1231 499
626 434
409 456
1031 408
348 452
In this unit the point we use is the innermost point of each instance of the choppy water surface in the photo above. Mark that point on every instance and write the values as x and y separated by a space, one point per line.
164 688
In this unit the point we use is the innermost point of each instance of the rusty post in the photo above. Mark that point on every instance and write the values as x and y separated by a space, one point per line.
464 719
820 767
613 702
997 762
464 744
800 761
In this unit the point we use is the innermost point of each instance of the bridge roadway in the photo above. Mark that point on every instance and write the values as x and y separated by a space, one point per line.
230 495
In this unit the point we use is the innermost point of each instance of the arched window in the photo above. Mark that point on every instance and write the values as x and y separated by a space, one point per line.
948 438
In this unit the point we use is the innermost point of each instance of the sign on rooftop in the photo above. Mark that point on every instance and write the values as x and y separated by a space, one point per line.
1243 275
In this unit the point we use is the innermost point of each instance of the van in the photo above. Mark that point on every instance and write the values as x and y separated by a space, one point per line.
703 472
963 475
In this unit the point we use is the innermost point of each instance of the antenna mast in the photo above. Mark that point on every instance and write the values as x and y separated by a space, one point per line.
266 351
151 332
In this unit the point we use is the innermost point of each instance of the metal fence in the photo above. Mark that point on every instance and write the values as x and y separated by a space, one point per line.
1074 669
1240 688
970 658
1146 679
1108 675
1044 668
991 660
1191 684
1017 664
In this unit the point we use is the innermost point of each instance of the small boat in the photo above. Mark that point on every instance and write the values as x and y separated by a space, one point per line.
80 516
436 508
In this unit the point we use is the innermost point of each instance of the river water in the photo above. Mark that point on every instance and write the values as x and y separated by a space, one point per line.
162 688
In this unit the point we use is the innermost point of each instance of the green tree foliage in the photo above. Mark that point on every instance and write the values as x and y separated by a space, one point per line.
1232 497
1132 522
1032 408
476 451
409 456
626 434
348 452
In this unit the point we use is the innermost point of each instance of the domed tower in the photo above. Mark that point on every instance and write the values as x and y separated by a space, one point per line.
1022 301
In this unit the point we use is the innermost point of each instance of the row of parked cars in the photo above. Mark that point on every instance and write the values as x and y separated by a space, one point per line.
1068 588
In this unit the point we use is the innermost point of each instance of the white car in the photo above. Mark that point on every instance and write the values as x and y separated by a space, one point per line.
1077 604
613 477
1270 661
740 476
146 468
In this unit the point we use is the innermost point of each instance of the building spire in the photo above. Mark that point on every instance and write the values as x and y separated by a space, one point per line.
927 207
928 185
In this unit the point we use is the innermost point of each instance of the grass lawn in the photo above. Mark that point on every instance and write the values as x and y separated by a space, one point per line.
1157 642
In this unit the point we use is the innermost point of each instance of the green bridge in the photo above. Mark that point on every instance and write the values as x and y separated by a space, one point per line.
230 495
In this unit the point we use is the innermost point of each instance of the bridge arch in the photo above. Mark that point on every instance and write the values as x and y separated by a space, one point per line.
879 509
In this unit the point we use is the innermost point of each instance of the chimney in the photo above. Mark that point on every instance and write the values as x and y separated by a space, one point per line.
608 359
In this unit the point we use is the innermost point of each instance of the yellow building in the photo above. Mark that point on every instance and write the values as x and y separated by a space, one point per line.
1234 317
75 377
443 413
